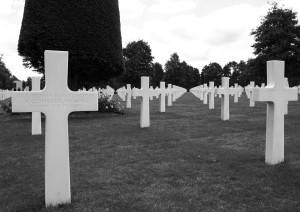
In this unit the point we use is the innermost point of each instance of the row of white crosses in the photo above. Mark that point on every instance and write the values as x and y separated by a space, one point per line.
223 91
5 94
147 93
237 91
108 91
56 101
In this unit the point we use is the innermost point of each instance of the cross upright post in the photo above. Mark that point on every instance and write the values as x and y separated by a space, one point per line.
205 93
276 94
236 93
145 93
211 92
225 91
151 88
36 125
128 96
252 86
174 93
163 92
170 93
56 101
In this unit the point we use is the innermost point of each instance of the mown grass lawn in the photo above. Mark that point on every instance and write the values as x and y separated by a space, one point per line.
188 160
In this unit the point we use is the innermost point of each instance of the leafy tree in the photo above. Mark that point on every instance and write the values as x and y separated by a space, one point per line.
191 76
212 72
237 69
174 74
138 62
277 38
157 74
89 30
180 73
6 78
231 70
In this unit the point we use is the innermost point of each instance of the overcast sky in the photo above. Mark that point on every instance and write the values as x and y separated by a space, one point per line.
200 31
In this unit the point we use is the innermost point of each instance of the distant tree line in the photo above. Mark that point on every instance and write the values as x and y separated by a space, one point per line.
276 38
139 62
96 57
6 78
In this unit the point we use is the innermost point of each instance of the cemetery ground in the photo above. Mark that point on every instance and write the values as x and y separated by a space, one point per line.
188 160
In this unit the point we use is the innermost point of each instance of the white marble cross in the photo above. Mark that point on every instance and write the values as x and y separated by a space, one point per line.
205 88
163 92
174 93
36 124
252 86
225 91
276 94
152 89
169 93
56 101
211 91
145 92
128 96
236 93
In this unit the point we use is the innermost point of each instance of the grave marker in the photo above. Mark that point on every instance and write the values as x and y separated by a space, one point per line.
56 101
205 93
211 91
145 92
163 93
276 94
128 96
225 91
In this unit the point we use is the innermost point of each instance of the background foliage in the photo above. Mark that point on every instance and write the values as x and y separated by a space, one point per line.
89 30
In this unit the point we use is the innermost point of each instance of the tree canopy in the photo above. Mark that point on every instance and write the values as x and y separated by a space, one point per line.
6 78
180 73
138 62
277 38
212 72
89 30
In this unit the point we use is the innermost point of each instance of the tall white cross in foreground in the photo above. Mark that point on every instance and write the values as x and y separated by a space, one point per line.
36 125
225 91
276 94
56 101
145 92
